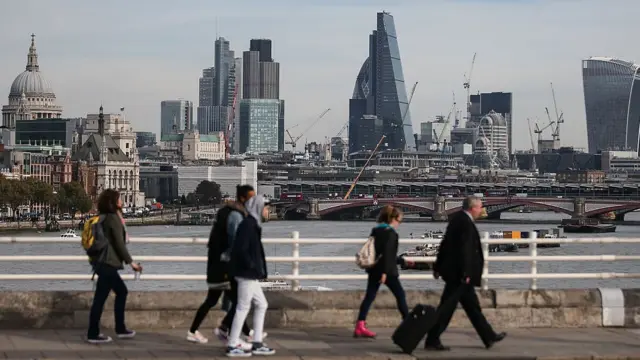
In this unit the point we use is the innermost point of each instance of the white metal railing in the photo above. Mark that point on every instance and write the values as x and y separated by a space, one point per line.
296 259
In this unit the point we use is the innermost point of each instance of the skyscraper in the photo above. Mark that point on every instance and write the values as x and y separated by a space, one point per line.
217 91
175 116
260 80
612 103
380 94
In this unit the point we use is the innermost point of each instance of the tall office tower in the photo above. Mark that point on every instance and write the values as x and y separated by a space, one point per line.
235 139
379 105
498 102
261 80
175 116
263 46
214 113
612 103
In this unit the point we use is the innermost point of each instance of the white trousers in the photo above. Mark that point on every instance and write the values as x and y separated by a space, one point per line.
248 291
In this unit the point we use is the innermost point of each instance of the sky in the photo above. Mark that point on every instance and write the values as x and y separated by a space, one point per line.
134 54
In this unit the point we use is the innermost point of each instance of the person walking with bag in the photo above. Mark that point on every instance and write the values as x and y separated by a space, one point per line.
460 262
384 270
248 265
110 229
221 240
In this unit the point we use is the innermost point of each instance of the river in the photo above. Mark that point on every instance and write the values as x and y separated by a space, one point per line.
324 229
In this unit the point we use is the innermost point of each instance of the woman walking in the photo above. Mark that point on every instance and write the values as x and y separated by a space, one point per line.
385 271
109 207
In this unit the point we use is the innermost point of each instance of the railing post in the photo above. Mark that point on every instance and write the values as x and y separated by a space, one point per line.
295 266
533 252
485 255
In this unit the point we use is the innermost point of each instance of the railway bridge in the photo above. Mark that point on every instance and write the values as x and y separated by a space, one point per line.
439 207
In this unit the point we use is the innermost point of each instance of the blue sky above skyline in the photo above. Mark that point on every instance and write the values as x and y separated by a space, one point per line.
137 53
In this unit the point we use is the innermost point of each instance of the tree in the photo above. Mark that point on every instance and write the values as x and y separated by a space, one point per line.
208 192
16 195
38 192
72 197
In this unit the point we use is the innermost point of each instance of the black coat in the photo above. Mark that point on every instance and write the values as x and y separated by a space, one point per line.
386 245
460 254
217 270
247 256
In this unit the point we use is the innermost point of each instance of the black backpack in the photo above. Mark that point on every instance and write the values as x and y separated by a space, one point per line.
218 244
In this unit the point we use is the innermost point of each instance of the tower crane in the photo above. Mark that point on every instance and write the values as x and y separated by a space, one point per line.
438 137
559 118
293 141
467 87
539 131
413 91
533 145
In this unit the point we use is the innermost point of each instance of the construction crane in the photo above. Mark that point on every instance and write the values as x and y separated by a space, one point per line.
559 118
467 87
533 145
342 129
355 181
439 137
539 131
230 124
293 141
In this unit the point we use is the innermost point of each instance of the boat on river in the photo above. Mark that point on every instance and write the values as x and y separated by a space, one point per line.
282 285
586 226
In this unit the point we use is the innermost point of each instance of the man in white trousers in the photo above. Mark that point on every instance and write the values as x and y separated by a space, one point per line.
248 265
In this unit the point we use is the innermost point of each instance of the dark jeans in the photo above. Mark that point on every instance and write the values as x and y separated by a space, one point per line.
373 285
454 293
108 279
212 299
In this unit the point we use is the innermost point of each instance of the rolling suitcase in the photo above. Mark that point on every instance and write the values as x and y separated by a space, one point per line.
414 328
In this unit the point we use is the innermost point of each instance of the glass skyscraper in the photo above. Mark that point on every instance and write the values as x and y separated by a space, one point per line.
259 125
379 105
612 103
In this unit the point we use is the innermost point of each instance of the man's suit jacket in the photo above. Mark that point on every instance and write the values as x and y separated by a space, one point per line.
460 254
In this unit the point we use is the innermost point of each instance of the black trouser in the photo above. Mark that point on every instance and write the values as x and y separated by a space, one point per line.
373 285
108 279
464 294
212 299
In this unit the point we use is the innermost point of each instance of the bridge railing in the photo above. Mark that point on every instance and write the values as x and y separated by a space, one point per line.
296 259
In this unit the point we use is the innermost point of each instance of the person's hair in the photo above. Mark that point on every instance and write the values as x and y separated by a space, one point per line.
242 191
388 214
469 202
108 202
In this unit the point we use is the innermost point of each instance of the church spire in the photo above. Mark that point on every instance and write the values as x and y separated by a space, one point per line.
101 122
32 57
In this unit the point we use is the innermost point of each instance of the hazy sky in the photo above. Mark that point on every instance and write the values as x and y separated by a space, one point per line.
137 53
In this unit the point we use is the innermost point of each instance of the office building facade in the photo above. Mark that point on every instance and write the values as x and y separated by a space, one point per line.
259 120
612 103
380 92
498 102
175 116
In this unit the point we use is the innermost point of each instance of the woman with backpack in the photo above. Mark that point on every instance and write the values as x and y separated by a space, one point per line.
385 270
106 266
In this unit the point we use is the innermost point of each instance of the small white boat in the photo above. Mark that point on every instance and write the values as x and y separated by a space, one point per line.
69 234
281 285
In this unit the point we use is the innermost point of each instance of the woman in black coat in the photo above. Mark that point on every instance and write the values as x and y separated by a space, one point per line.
385 271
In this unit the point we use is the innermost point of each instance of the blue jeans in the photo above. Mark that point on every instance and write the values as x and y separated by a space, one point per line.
373 285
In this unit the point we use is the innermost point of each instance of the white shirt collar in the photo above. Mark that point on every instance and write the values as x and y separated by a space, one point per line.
469 215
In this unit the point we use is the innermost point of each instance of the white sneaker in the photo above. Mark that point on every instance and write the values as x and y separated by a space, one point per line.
196 337
250 337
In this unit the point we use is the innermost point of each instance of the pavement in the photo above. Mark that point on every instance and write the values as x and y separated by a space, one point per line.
316 344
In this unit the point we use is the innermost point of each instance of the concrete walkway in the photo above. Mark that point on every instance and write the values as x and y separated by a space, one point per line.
328 344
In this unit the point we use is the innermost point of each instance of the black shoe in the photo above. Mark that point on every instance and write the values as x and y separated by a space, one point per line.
499 337
436 347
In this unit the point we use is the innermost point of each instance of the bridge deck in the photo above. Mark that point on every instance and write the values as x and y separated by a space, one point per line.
328 344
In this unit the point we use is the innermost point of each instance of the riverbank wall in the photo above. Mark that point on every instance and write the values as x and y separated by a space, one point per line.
574 308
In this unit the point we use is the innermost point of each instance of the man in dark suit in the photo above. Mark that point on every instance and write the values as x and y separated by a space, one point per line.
459 263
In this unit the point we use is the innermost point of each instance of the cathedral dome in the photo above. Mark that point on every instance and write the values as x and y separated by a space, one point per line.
31 82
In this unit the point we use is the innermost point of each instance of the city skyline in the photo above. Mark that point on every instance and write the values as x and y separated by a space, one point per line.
120 66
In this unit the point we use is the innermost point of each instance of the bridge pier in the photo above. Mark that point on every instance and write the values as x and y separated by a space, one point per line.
314 210
440 209
578 208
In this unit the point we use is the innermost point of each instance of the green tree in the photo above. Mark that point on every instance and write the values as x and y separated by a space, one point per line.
16 195
72 198
39 192
208 192
4 189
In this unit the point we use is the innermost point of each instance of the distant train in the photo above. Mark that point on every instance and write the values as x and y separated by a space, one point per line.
291 197
487 193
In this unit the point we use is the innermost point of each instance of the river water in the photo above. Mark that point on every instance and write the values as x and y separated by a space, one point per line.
324 229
